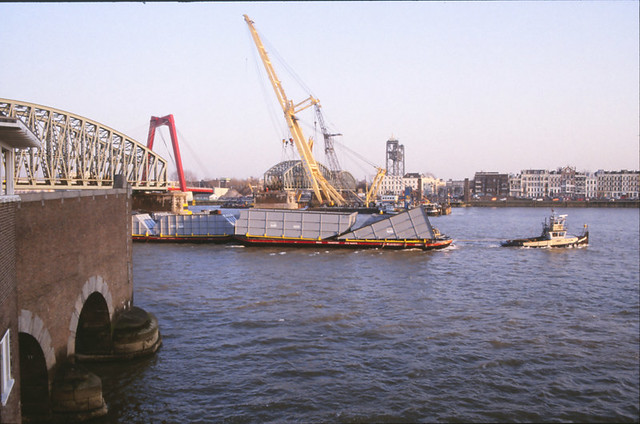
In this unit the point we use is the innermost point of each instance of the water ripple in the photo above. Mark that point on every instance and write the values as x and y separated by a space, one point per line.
473 333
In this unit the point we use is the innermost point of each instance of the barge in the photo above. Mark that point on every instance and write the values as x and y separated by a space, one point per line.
406 230
410 229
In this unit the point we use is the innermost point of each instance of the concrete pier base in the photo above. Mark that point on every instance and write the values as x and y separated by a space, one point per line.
136 333
76 395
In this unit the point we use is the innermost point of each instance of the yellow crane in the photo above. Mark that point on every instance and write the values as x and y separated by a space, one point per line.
323 190
375 186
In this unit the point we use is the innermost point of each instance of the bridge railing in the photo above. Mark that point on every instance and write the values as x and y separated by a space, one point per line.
78 153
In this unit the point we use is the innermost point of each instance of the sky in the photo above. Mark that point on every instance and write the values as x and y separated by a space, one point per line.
465 86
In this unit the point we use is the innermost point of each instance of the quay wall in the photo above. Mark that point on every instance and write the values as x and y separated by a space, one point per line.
527 203
69 245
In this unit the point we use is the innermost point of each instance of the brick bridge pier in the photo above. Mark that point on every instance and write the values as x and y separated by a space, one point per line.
65 285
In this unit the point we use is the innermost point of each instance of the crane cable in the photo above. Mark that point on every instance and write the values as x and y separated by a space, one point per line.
285 65
302 84
356 154
271 110
273 53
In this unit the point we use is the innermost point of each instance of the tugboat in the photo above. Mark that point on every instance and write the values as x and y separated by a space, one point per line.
554 234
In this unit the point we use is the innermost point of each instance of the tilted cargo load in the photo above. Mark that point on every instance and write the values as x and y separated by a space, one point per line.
410 225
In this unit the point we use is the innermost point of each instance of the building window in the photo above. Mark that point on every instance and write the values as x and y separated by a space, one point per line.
6 382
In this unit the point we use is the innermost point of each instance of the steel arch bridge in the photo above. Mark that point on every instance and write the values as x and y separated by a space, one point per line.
78 153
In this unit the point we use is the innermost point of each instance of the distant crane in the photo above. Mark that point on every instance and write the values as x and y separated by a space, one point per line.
372 193
329 151
336 169
334 164
323 190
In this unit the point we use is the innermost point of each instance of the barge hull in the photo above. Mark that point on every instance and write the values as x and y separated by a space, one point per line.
348 244
142 238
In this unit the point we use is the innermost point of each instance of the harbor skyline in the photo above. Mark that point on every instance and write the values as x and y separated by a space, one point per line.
464 86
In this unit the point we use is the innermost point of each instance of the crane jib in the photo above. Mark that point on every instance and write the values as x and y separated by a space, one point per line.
321 187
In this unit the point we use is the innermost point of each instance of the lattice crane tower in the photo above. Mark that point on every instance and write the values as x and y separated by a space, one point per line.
395 157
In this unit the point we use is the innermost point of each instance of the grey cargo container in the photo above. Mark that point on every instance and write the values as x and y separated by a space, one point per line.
293 223
184 225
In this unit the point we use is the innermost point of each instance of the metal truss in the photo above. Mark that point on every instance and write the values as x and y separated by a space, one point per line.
290 175
78 153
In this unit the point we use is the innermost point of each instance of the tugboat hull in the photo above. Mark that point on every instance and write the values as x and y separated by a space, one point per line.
582 240
554 234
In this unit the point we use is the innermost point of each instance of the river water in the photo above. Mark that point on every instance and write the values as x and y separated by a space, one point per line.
476 332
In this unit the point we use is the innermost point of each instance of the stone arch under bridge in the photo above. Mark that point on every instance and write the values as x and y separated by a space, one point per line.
79 153
31 324
95 302
93 306
37 360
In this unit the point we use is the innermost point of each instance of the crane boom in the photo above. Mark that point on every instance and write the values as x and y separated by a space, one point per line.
319 184
375 186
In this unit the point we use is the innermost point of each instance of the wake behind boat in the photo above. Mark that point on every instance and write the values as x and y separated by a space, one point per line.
554 234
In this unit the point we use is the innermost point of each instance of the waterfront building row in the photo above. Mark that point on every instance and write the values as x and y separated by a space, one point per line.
570 184
565 183
423 184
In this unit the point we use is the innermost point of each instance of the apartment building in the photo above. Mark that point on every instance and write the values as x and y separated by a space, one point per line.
515 185
617 184
413 180
453 188
590 185
425 184
392 184
491 184
535 183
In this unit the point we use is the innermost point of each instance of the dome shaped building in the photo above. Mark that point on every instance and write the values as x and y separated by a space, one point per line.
290 175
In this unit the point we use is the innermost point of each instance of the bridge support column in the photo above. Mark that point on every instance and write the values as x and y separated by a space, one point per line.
76 395
136 334
172 201
74 280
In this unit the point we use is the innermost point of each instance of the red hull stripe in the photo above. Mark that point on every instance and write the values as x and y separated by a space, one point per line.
262 241
347 243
